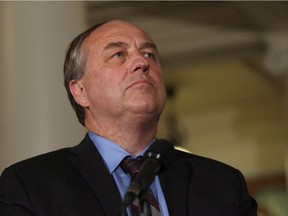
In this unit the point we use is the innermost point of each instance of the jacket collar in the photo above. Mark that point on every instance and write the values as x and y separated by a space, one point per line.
86 159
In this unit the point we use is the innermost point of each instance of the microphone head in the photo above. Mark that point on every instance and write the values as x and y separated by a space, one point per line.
160 151
154 162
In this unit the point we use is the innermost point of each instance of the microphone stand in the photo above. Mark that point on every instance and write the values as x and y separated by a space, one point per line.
144 206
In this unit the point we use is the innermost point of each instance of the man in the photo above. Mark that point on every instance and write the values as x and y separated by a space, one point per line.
114 82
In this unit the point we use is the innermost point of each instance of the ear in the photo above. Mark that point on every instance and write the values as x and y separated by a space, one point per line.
78 91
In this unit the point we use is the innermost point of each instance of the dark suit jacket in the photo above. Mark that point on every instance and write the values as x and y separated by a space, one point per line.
75 182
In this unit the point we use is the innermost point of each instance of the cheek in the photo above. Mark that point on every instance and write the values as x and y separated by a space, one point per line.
96 78
104 85
161 87
159 80
162 96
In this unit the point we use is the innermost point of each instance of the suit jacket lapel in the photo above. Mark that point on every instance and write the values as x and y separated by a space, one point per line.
91 166
174 183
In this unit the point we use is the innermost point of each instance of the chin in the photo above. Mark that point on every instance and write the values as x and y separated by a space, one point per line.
144 105
147 110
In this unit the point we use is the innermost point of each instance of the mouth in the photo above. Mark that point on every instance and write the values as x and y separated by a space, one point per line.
140 83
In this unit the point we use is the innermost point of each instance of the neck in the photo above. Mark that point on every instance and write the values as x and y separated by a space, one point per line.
132 135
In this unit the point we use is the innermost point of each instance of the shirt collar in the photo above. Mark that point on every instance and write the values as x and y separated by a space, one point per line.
111 153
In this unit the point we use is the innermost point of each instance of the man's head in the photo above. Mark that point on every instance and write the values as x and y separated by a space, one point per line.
112 69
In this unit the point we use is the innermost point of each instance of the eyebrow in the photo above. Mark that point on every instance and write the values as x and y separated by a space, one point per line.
115 45
148 45
123 44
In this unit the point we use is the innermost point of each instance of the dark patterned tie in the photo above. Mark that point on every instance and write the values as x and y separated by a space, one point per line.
131 166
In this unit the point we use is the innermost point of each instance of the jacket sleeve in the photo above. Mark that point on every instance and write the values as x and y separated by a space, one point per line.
14 201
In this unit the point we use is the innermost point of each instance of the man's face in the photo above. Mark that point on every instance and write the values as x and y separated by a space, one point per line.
123 72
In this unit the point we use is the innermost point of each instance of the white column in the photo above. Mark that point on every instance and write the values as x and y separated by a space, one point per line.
35 114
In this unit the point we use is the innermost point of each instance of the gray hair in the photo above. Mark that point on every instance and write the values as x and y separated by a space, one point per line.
74 67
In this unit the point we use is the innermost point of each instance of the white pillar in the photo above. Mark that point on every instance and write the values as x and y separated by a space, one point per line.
35 114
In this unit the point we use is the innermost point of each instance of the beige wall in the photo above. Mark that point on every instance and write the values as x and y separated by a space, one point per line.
231 112
35 113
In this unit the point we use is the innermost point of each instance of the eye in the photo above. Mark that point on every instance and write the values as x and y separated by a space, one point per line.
149 55
118 54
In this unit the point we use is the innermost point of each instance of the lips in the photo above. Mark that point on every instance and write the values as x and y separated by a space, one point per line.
140 82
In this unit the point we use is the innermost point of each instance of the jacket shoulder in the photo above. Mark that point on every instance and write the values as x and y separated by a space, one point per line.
202 162
52 161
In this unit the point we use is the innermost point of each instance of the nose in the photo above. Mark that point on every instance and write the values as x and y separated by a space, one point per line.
139 63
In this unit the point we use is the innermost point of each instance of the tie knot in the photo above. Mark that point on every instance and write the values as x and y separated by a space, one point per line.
130 165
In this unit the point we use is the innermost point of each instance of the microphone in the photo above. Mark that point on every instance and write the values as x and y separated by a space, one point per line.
154 162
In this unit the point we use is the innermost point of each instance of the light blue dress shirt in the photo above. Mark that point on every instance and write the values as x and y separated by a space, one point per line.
112 155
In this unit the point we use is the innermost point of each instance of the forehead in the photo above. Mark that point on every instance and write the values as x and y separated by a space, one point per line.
115 31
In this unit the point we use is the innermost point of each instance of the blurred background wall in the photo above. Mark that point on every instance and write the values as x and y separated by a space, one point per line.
35 114
225 67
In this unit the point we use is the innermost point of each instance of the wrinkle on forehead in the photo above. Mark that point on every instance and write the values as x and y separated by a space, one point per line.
114 27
